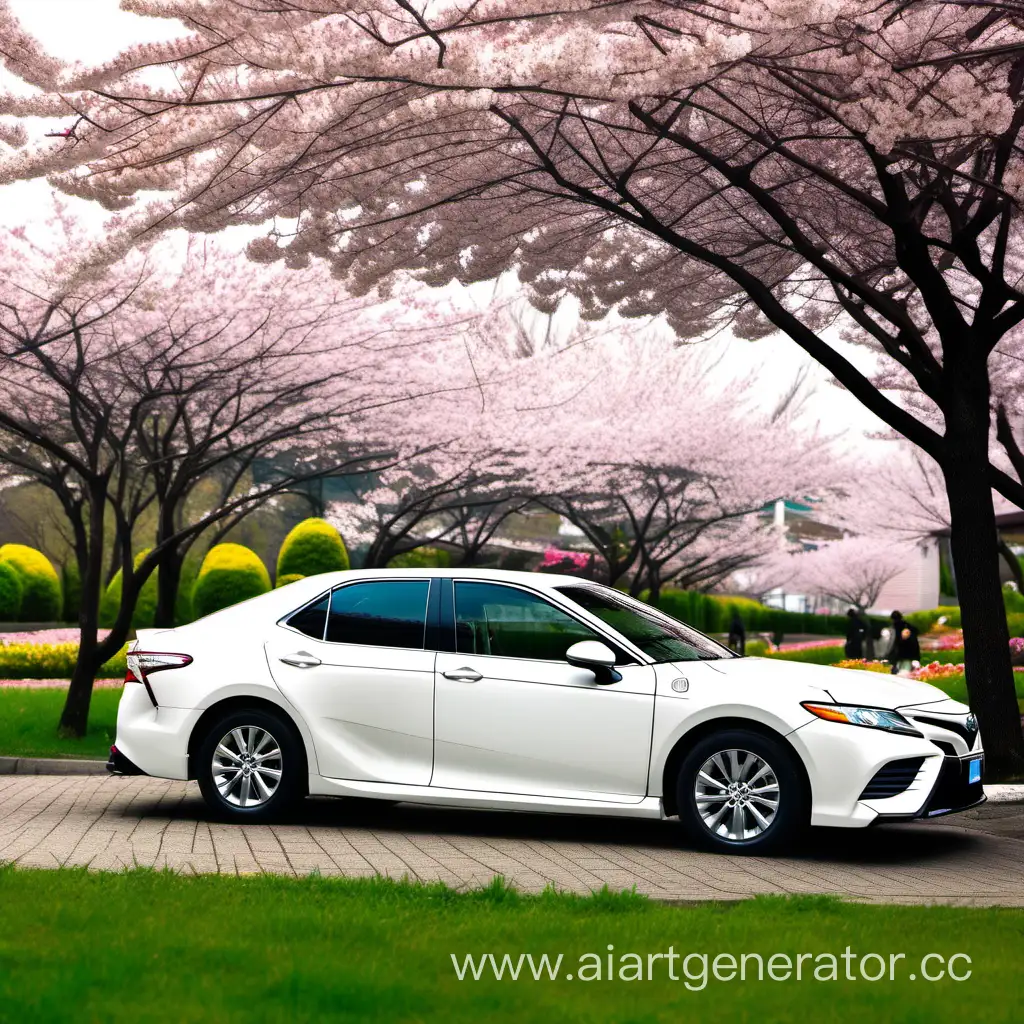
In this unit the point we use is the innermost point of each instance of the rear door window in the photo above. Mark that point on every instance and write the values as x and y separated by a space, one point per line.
379 613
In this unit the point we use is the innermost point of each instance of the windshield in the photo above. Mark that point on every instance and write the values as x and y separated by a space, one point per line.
658 635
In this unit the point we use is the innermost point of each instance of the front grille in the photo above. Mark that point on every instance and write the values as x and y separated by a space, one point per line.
892 779
966 733
952 790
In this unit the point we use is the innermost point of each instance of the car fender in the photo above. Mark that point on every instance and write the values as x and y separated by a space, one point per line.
266 690
675 719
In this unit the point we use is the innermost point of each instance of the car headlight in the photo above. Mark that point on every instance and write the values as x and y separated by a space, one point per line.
870 718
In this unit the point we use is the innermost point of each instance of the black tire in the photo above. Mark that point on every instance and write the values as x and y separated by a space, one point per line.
291 764
786 823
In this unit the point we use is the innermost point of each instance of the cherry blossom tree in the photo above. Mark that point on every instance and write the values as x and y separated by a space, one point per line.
126 396
852 570
757 164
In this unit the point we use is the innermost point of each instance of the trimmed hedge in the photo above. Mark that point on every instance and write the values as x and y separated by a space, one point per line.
51 661
145 607
422 558
283 581
230 573
41 599
712 613
312 547
11 591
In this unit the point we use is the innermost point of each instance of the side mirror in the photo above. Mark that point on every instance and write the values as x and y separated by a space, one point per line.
596 656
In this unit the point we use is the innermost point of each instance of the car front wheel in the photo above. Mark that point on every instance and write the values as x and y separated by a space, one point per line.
251 766
740 791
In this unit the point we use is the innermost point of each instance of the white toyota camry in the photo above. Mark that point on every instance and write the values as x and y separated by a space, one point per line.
523 691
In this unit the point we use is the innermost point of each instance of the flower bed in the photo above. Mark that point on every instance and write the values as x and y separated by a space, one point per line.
808 645
60 635
864 665
51 661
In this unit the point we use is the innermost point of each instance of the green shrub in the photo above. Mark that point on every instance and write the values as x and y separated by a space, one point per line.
145 607
230 573
1015 620
11 591
41 599
1013 599
71 584
422 558
51 661
283 581
186 584
712 613
312 547
756 648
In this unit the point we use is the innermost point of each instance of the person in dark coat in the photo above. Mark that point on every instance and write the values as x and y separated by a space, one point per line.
737 634
856 631
905 649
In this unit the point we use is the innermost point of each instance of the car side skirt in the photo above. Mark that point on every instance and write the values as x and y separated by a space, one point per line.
648 807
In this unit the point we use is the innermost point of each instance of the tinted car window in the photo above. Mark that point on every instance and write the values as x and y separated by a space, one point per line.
658 635
311 619
510 623
390 613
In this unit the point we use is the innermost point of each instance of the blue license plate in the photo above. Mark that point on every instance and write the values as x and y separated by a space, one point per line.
974 770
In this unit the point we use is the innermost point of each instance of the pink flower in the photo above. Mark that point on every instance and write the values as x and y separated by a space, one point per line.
556 556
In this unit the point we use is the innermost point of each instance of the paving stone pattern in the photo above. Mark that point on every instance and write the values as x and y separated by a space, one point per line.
113 823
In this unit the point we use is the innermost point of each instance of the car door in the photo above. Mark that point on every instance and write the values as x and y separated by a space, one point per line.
512 716
354 664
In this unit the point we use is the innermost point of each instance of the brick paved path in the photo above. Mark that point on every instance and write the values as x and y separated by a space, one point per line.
109 824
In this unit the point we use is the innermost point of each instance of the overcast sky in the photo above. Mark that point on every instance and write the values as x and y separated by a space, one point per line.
93 31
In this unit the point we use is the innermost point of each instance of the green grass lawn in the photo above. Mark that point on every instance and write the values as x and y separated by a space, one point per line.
28 724
147 946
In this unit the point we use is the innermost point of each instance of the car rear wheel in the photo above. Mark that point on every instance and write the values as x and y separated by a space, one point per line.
251 766
740 791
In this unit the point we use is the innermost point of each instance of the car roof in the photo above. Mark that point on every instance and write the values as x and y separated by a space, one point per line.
541 580
278 602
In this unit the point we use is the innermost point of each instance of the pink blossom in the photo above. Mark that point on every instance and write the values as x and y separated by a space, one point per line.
60 635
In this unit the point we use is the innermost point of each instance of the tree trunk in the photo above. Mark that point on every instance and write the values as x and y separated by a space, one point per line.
974 544
168 582
74 718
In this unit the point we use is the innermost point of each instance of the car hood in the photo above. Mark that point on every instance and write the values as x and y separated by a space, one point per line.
843 685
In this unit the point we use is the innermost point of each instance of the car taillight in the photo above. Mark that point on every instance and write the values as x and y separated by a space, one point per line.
142 664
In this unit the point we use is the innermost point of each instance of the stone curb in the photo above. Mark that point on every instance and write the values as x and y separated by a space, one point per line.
50 766
1005 794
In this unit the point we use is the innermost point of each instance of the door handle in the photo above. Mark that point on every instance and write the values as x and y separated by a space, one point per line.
302 659
463 675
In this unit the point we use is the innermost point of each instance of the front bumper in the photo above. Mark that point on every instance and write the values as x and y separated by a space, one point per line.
843 762
951 793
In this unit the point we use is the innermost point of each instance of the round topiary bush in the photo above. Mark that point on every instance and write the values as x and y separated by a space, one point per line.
312 547
145 607
11 591
422 558
230 573
71 585
41 599
283 581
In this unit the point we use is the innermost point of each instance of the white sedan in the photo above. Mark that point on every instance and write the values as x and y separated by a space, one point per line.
529 692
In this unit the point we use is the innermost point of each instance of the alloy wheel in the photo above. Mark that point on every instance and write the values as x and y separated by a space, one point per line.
737 795
247 766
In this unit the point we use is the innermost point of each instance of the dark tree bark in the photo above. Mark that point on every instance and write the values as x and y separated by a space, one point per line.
974 545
